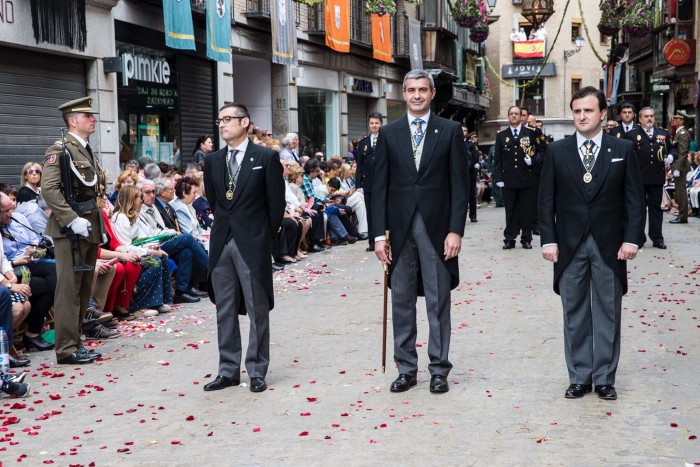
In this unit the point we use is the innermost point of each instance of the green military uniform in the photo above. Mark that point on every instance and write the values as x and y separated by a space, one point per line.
73 288
682 165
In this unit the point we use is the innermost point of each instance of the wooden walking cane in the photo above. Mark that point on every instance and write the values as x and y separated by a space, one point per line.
387 248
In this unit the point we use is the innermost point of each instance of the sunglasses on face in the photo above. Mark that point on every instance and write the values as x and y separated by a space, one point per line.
34 171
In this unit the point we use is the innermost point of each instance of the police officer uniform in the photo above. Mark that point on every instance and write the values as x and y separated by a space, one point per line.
652 151
620 130
519 181
473 155
364 155
681 165
73 289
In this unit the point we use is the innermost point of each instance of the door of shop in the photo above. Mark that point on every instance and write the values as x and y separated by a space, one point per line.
357 117
197 103
32 86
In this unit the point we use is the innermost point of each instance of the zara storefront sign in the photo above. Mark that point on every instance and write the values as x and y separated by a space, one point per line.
142 68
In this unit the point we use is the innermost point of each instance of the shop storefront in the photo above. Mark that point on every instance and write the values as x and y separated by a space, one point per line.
166 99
363 95
395 105
318 104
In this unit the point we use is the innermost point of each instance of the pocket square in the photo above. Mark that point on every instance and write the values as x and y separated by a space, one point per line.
618 159
260 167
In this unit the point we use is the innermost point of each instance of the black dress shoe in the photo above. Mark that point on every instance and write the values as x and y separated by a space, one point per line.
607 392
37 342
678 221
316 248
438 383
18 362
661 245
403 383
369 248
535 231
351 239
93 355
257 384
577 390
509 245
221 382
340 241
76 358
473 219
527 245
195 292
277 267
362 237
184 297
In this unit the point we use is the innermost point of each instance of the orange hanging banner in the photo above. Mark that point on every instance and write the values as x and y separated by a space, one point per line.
337 14
381 38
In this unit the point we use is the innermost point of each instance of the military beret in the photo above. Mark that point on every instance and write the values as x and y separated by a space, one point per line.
82 105
682 117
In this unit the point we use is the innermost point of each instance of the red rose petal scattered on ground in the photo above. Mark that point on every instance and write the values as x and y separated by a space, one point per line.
371 441
335 425
674 425
305 414
174 442
311 399
189 418
304 433
256 429
54 397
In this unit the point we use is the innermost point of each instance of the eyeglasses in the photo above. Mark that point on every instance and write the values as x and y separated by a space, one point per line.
149 192
226 119
140 197
268 134
34 171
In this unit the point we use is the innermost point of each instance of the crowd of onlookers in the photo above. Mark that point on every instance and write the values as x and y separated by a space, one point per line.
158 220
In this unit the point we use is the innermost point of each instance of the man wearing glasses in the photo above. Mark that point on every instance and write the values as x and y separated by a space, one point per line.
87 179
245 188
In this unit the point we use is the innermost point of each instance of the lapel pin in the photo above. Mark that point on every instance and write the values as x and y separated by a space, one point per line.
609 150
251 159
435 130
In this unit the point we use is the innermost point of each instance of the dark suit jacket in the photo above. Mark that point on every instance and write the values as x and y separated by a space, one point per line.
509 158
472 158
651 153
252 217
619 130
611 207
438 189
168 217
364 155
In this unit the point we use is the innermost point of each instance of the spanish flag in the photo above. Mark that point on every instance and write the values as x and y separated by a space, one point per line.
337 25
381 38
528 49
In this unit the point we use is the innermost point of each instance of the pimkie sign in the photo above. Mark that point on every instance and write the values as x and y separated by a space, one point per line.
677 52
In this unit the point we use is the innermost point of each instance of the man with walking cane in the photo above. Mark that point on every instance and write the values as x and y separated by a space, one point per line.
420 190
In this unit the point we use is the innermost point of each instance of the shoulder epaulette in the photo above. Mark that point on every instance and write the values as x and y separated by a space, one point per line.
502 130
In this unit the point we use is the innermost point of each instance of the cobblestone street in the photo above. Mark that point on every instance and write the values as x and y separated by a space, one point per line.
329 402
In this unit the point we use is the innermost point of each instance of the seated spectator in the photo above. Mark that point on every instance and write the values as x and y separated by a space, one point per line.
182 248
37 213
143 162
20 247
313 220
151 171
694 186
354 198
153 287
127 177
205 216
30 180
95 318
165 168
6 317
185 194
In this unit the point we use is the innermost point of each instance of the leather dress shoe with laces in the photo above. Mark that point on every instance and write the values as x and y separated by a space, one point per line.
76 358
661 245
221 382
363 236
36 342
185 297
195 292
93 355
18 362
606 391
678 221
575 391
508 244
438 383
257 384
277 267
527 245
403 383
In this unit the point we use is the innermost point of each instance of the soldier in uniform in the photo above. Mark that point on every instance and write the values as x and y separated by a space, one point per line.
651 146
516 150
471 142
681 167
87 181
364 155
627 123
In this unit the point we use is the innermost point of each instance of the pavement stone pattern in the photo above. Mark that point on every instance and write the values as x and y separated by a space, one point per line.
328 401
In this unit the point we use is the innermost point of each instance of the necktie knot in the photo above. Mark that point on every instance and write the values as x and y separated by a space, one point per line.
418 134
588 154
515 132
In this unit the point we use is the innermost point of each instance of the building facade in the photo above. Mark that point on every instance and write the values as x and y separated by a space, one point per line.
567 67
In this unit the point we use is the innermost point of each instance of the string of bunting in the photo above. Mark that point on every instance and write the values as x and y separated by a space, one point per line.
546 58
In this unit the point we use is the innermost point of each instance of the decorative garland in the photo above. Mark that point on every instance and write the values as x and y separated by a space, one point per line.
546 58
380 7
588 36
310 2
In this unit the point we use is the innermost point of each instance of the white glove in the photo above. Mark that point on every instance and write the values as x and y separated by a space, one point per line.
81 226
669 159
477 166
500 184
528 160
676 173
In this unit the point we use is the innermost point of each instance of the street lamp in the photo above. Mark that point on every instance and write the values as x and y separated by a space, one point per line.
537 11
579 43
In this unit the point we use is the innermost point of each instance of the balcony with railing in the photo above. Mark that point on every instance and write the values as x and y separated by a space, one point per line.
360 24
257 9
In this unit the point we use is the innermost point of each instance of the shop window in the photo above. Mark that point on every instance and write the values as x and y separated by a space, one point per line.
685 10
318 122
533 96
575 30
